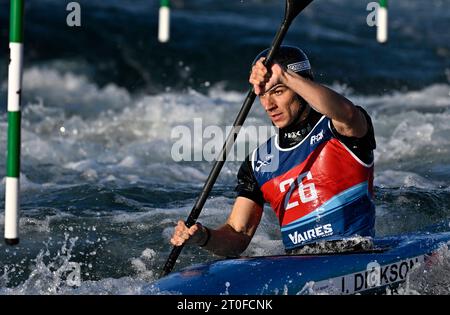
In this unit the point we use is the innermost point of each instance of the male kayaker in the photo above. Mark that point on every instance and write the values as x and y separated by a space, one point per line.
316 173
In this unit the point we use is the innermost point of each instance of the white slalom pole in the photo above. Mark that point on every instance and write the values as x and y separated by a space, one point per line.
382 22
164 22
14 94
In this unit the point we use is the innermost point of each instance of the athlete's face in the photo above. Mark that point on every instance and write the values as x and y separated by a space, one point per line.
281 105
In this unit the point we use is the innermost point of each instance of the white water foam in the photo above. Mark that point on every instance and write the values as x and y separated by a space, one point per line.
399 179
127 136
430 278
57 273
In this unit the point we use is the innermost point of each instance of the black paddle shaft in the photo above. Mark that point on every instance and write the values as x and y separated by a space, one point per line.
293 8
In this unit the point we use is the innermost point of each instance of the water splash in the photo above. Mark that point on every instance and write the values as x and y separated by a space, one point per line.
145 265
50 275
430 278
308 289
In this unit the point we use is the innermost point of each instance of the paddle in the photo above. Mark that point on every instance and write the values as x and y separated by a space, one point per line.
292 9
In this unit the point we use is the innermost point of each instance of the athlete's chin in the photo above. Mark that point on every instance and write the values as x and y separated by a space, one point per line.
279 124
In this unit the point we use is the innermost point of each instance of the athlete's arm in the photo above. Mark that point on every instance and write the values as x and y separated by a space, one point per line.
230 239
346 118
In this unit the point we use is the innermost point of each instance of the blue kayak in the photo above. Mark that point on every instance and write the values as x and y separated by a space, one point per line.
374 271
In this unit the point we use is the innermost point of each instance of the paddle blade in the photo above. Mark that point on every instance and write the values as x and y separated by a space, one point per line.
294 7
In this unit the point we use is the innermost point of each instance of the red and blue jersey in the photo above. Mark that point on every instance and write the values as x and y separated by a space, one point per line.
319 189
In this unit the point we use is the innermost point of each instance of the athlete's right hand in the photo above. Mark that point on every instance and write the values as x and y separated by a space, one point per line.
262 79
193 235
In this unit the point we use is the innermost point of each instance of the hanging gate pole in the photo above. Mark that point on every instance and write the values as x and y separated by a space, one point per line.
13 148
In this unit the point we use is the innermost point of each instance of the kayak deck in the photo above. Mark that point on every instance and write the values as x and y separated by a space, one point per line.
343 273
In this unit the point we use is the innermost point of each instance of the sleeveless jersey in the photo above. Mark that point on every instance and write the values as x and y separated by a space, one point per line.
318 189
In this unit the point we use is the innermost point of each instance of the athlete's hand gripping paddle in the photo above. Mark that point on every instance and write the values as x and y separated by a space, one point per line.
292 9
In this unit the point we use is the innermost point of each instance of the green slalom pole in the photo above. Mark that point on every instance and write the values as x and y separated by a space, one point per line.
382 22
13 148
164 21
